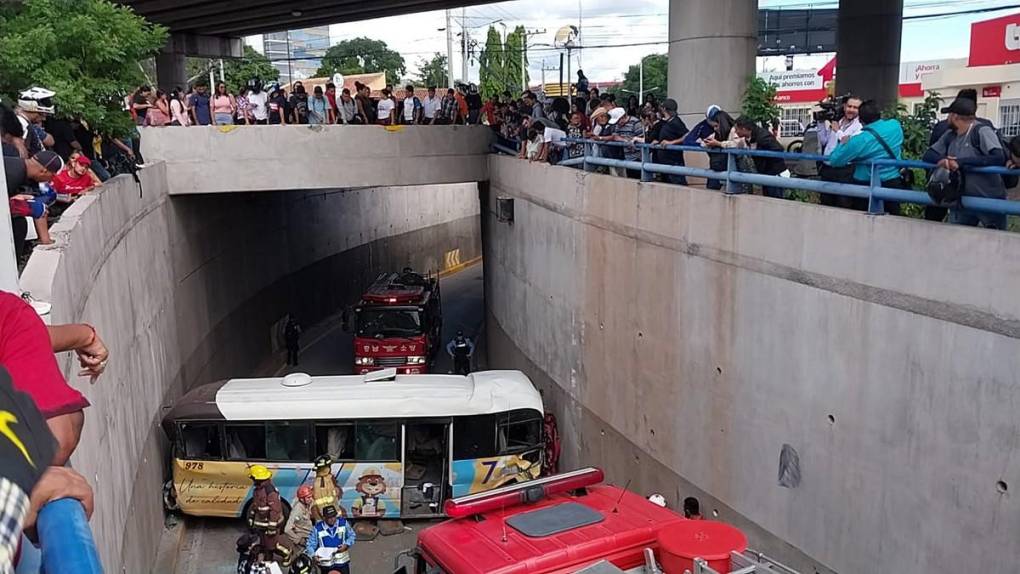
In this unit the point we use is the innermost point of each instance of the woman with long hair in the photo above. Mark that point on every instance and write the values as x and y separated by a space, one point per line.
178 109
724 136
159 113
223 106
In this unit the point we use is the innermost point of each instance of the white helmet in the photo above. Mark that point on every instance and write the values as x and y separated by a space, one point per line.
36 99
658 500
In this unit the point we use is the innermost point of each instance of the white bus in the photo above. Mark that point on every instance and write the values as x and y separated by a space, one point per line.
401 444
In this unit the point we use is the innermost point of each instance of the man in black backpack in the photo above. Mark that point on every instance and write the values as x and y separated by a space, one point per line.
970 143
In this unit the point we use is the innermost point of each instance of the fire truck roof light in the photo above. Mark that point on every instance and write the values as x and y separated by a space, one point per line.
523 493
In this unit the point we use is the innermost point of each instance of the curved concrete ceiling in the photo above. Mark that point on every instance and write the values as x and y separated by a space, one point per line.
246 17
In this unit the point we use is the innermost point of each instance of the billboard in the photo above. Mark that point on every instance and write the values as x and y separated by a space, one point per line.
995 42
796 31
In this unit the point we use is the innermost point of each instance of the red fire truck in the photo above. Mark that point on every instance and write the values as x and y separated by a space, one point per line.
398 324
571 523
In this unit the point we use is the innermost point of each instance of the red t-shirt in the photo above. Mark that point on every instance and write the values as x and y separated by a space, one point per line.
67 183
26 353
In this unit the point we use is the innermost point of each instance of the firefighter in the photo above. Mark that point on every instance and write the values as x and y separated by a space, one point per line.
299 524
461 348
325 490
265 515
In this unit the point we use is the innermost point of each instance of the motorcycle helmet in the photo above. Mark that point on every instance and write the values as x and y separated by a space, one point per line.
36 99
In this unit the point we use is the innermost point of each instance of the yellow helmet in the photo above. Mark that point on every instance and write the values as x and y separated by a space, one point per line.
259 472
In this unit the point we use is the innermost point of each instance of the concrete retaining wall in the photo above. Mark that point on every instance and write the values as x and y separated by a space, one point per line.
185 290
684 337
284 158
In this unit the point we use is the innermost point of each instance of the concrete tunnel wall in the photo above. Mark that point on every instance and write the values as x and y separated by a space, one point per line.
684 336
264 158
186 290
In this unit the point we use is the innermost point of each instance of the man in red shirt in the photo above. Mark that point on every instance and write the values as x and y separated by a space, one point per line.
75 179
27 350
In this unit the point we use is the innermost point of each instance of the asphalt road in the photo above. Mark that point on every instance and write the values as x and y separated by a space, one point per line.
193 545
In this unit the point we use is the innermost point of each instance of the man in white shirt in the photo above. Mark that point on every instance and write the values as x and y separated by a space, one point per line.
431 106
831 135
412 106
258 99
552 141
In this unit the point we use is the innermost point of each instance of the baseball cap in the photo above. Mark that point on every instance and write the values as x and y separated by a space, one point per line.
962 107
615 114
329 511
669 104
83 160
50 161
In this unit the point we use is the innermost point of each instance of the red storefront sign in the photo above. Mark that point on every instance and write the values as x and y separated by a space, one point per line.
991 91
995 42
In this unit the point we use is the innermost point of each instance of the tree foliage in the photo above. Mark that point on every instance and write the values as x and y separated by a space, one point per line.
433 72
515 54
237 71
363 56
492 76
760 102
656 74
87 51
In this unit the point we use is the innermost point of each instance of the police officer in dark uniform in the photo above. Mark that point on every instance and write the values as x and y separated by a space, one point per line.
461 349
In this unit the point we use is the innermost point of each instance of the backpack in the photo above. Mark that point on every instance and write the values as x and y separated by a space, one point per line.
1009 181
945 188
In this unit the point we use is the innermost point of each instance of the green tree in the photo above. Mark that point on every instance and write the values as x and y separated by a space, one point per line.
433 72
237 71
492 76
362 56
760 102
87 51
516 54
656 70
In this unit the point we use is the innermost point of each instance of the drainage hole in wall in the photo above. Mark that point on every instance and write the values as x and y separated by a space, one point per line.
718 370
640 334
832 419
602 432
652 431
1002 487
715 513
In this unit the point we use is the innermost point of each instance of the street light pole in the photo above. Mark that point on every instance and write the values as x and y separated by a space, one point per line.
641 80
464 31
449 50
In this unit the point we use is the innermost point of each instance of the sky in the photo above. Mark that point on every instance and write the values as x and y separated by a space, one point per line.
615 22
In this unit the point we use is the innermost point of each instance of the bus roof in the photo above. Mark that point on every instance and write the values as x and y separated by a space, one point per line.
351 397
490 545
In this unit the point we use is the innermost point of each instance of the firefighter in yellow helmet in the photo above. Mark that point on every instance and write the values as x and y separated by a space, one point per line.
325 490
265 515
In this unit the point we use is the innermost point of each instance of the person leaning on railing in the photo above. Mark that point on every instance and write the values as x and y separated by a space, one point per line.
878 139
970 143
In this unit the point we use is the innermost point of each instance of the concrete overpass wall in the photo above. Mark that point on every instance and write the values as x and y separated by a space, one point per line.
684 337
186 290
284 158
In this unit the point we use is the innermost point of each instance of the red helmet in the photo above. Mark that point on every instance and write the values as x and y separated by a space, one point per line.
304 492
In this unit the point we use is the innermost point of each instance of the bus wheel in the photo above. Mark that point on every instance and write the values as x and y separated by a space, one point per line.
170 496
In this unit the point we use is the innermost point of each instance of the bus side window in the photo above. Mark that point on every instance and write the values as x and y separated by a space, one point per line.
246 442
200 440
376 442
336 440
287 441
474 437
519 430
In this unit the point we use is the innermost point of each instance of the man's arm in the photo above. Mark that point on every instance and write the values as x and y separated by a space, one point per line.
349 536
471 347
83 340
66 429
845 153
312 544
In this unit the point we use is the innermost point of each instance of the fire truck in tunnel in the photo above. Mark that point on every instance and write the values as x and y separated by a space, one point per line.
398 324
572 523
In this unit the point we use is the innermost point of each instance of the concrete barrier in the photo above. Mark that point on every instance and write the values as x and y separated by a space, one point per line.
283 158
185 290
690 341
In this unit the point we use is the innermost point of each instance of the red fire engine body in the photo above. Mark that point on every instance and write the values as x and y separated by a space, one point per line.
570 523
398 324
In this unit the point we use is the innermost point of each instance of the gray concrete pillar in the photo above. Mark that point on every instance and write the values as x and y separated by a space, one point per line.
712 45
868 49
171 70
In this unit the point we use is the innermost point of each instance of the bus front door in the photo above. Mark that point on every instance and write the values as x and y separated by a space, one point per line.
426 450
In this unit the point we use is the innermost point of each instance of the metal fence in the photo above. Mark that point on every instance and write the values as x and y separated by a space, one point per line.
735 179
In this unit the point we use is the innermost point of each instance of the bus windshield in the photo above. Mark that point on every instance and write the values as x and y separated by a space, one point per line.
383 322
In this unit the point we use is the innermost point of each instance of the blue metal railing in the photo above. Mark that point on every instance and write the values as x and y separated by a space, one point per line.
874 192
66 539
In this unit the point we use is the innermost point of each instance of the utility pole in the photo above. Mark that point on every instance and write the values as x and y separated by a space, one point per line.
579 20
524 51
449 50
464 31
641 80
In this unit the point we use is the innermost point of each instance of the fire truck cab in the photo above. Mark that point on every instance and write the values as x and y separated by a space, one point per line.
571 523
398 324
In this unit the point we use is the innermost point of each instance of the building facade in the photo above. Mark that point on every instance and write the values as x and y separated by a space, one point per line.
296 53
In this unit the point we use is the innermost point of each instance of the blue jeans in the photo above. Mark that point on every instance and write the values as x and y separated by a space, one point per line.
973 218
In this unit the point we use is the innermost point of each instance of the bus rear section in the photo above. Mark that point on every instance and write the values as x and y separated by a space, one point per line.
398 324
